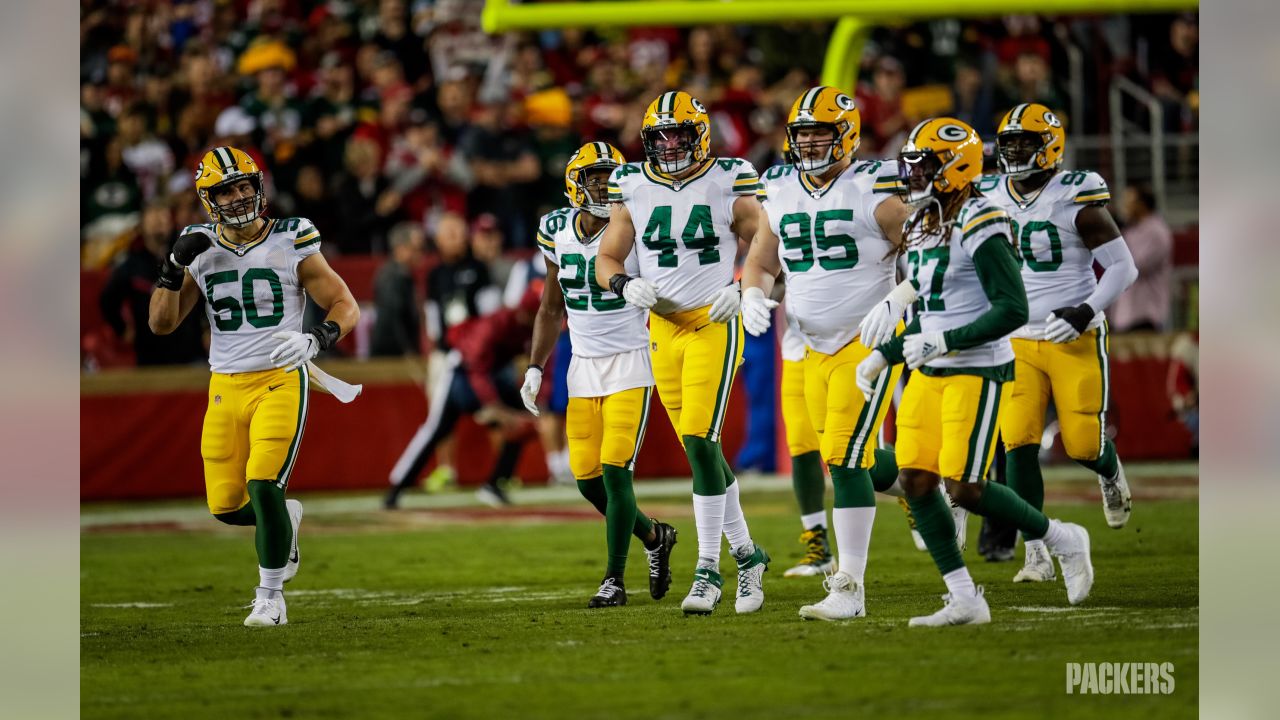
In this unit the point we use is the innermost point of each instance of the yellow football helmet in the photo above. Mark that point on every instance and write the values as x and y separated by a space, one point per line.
676 123
1030 139
941 155
824 107
225 165
592 156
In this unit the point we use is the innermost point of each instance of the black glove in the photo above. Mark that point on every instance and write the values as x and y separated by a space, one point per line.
187 247
326 334
1078 317
171 275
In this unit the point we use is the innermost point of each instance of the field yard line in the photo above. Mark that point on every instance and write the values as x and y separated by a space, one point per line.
194 511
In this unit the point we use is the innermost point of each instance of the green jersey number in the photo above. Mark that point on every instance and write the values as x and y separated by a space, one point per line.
799 231
580 289
238 312
699 234
918 261
1027 254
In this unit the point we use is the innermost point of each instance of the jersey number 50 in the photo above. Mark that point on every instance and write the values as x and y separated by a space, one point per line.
236 313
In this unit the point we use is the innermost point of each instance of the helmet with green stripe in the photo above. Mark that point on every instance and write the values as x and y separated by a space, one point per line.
941 156
587 175
1030 139
219 173
824 127
676 132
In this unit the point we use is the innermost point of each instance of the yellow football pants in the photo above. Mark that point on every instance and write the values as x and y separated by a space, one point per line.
606 431
694 361
845 420
1076 375
801 437
947 425
252 429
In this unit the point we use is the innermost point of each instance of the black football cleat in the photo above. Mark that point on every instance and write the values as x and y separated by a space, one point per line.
660 560
610 594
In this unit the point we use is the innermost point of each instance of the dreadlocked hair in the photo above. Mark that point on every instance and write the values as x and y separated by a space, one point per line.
929 219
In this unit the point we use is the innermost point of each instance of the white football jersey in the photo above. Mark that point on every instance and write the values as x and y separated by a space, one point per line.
1057 268
252 291
836 258
600 322
683 237
949 294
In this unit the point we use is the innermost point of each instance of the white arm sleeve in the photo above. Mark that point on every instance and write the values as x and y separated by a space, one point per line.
1118 273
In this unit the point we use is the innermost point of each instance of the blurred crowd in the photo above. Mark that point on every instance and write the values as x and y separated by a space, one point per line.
368 114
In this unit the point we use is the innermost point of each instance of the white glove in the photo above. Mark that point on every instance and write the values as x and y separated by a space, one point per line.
725 303
1066 324
920 348
296 349
868 371
529 390
757 311
640 292
879 325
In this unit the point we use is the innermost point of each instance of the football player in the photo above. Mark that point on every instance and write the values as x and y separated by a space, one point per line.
682 211
1060 228
808 479
970 299
610 379
832 226
255 273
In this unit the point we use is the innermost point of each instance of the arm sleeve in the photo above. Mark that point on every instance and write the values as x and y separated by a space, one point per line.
1002 282
1118 273
892 350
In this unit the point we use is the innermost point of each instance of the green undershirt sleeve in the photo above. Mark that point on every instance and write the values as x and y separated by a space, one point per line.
1002 282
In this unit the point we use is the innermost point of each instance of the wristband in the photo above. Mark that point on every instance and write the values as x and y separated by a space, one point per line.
619 281
171 276
326 334
535 366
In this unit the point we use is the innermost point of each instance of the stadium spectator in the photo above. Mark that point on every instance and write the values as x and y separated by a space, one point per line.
455 283
1175 73
127 296
367 204
884 126
397 329
1145 305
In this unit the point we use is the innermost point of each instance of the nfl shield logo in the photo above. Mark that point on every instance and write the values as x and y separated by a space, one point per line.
217 399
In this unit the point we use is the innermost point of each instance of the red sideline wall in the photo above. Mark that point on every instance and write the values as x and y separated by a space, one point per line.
140 443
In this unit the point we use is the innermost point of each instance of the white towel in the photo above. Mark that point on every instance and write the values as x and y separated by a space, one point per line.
345 392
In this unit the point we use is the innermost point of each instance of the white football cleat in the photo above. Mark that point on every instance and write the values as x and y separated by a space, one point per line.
705 593
845 600
1117 501
1038 566
957 611
295 558
751 581
268 611
1073 555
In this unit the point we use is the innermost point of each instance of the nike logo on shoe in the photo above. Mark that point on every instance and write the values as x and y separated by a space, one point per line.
294 557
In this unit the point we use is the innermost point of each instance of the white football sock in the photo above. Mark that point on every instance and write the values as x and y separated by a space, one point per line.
812 520
1055 535
271 578
853 538
708 516
735 524
960 583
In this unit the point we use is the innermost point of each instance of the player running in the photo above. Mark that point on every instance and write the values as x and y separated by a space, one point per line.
255 273
682 212
832 226
1060 228
610 379
970 299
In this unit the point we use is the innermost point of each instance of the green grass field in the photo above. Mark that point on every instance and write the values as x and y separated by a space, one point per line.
458 612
